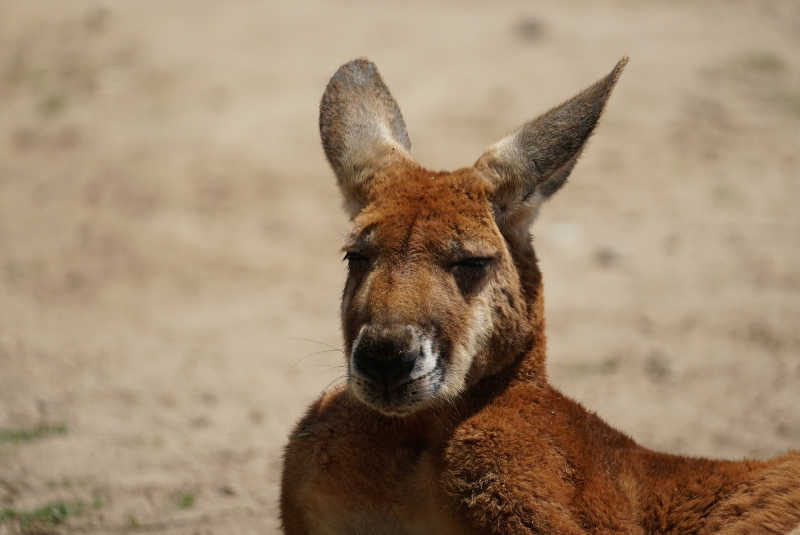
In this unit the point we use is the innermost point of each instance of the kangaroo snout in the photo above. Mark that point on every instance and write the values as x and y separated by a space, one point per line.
395 367
387 355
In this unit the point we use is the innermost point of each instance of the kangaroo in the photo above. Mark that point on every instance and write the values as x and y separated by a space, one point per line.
447 423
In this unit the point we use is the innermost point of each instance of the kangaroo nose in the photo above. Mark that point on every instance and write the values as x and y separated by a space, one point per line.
384 359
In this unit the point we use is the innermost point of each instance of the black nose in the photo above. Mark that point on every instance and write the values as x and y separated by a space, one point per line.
384 360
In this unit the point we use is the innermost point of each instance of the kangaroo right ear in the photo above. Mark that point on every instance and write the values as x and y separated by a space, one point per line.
532 163
362 129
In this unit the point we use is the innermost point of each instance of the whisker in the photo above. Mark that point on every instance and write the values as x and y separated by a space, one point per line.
302 359
450 401
301 339
342 378
331 366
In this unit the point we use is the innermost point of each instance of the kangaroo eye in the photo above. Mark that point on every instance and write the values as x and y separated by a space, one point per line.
474 262
470 272
355 259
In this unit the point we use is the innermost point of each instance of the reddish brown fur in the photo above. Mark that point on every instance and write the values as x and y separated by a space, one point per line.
508 454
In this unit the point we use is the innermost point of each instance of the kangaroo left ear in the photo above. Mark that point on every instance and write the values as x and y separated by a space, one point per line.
531 164
362 129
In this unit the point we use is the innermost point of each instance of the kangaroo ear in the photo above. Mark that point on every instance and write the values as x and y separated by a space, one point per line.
531 164
362 129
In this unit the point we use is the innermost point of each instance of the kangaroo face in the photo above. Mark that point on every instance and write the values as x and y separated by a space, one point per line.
442 286
430 283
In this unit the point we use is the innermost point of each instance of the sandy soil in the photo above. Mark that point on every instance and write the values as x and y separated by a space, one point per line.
169 231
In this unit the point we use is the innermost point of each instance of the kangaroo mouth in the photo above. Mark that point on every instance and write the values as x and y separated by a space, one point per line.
402 398
397 368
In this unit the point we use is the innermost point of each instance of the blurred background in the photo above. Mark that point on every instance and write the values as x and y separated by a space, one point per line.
170 231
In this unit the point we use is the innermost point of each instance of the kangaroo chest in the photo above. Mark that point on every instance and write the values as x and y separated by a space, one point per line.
375 489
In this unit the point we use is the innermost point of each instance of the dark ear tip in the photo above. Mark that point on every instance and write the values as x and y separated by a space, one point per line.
617 71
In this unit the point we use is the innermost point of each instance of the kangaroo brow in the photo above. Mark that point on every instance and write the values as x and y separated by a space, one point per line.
360 238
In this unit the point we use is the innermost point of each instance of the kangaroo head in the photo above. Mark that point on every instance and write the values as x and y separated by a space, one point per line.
442 287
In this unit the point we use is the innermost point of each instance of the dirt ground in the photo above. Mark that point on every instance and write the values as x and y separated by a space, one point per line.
170 231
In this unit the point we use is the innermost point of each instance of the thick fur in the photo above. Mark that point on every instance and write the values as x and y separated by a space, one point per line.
490 446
